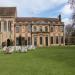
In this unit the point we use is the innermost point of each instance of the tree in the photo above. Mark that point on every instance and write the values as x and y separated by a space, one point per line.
69 35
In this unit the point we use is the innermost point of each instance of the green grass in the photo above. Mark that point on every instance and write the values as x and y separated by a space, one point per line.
41 61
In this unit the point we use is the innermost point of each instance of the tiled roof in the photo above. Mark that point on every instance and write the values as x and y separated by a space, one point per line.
7 11
29 19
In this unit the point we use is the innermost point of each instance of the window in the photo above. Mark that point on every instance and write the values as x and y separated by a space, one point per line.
46 29
0 26
35 41
29 42
26 42
29 28
9 25
62 40
56 39
5 26
17 41
40 28
41 40
35 28
52 28
51 40
46 40
61 28
17 28
23 41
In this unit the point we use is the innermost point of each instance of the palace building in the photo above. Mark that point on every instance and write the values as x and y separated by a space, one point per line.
23 31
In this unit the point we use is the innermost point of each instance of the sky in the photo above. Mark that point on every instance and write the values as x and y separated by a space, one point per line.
40 8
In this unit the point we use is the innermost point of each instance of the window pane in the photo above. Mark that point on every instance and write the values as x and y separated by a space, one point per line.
56 39
40 28
17 28
35 29
40 40
29 41
61 28
5 26
29 28
61 39
17 41
46 40
35 41
51 40
9 25
52 28
46 29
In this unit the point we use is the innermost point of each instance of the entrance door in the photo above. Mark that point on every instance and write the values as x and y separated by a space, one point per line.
46 41
8 42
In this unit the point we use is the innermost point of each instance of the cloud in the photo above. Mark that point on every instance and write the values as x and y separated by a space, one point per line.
7 3
67 21
66 10
36 7
32 7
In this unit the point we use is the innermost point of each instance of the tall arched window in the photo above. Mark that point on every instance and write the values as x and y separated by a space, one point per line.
5 26
9 25
57 40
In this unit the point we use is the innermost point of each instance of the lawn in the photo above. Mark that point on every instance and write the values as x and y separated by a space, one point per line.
41 61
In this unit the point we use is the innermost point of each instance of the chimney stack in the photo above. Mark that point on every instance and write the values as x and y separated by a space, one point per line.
59 17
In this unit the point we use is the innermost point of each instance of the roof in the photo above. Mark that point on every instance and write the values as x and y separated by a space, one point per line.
7 11
29 19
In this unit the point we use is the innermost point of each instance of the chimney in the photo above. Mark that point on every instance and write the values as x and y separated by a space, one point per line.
59 17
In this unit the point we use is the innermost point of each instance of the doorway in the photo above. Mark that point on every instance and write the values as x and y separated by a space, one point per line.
8 42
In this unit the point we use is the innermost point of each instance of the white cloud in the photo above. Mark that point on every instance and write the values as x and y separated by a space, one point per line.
66 10
7 3
67 21
31 7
